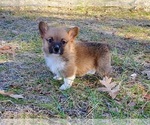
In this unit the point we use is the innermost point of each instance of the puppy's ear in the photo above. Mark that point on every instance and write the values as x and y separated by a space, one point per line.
43 27
73 32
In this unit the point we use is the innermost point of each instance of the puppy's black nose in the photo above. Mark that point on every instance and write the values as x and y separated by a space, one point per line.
56 48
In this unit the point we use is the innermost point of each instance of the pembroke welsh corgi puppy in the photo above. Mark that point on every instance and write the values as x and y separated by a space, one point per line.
68 58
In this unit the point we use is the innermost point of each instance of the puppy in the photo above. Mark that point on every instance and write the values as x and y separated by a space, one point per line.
68 58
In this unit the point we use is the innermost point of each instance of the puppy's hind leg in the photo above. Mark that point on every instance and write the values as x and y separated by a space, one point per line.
104 65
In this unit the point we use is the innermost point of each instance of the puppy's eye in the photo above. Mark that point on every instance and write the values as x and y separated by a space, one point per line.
50 40
63 41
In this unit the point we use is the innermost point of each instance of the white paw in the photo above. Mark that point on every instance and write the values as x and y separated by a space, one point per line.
57 78
64 86
67 83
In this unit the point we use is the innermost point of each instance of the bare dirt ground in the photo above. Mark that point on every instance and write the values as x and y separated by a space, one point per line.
128 33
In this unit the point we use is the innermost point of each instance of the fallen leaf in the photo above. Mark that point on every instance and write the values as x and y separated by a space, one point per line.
114 92
111 87
128 37
2 92
147 96
107 82
6 49
147 72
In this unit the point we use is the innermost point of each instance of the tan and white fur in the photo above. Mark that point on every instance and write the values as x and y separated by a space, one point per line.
68 58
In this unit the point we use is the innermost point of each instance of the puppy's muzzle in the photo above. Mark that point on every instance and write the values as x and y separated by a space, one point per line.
56 49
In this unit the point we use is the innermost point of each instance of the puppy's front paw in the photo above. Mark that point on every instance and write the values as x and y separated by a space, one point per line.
57 78
67 83
65 86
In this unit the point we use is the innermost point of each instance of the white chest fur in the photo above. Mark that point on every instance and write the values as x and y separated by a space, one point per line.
55 63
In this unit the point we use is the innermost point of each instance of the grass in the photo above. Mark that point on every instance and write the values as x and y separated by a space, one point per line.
28 75
136 31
